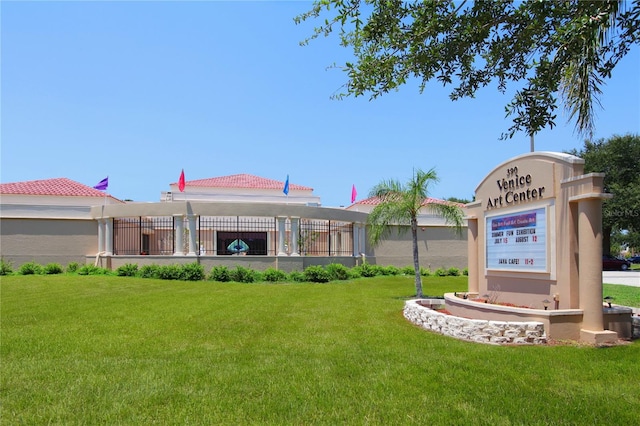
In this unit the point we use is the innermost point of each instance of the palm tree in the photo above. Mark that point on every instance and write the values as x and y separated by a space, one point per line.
400 205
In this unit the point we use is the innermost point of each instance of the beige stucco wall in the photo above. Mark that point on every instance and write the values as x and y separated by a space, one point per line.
47 240
438 247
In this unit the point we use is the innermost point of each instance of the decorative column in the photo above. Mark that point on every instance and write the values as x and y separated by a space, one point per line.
295 222
590 271
356 239
585 199
101 231
281 234
108 237
193 249
472 252
179 238
363 239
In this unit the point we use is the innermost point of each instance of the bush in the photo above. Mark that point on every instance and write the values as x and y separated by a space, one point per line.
317 274
354 273
390 270
30 268
337 271
465 271
192 272
242 275
367 270
5 268
127 270
92 270
53 268
296 276
170 272
453 272
220 274
440 272
149 271
408 270
72 267
274 275
424 272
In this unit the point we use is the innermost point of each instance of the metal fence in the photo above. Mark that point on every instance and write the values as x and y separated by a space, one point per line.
231 235
325 238
143 235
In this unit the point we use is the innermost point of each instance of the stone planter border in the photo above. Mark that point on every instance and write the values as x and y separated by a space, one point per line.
474 330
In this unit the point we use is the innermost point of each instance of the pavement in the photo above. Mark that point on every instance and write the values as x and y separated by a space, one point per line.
631 278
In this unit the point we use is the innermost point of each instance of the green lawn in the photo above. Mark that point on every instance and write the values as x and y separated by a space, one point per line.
127 351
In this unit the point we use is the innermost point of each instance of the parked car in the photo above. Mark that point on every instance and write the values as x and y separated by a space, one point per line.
635 259
612 263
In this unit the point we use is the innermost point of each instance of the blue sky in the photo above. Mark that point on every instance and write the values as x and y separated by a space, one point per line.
138 91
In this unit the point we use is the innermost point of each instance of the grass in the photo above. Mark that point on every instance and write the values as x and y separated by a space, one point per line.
623 294
111 350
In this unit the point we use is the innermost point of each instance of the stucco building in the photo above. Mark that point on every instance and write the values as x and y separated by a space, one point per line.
229 220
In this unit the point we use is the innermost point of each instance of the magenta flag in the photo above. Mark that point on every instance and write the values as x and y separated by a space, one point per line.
103 184
181 182
354 193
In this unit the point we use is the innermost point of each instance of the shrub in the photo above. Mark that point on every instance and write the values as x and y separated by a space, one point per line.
242 275
53 268
72 267
316 274
170 272
390 270
149 271
5 267
30 268
296 276
192 272
274 275
367 270
92 270
354 273
127 270
440 272
453 272
424 272
220 274
408 270
465 271
337 271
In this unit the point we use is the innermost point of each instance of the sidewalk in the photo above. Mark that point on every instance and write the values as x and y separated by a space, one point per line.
631 278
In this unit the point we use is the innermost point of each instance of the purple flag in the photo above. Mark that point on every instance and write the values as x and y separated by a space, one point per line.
103 184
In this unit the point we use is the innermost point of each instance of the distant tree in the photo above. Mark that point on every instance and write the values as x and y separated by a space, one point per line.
550 48
400 205
619 158
458 200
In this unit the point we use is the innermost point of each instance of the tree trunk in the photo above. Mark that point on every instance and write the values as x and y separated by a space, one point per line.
416 259
606 240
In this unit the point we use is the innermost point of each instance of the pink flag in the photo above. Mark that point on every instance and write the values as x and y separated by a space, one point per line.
354 193
181 181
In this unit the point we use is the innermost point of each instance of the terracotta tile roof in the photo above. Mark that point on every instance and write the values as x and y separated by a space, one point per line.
243 181
57 186
374 201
